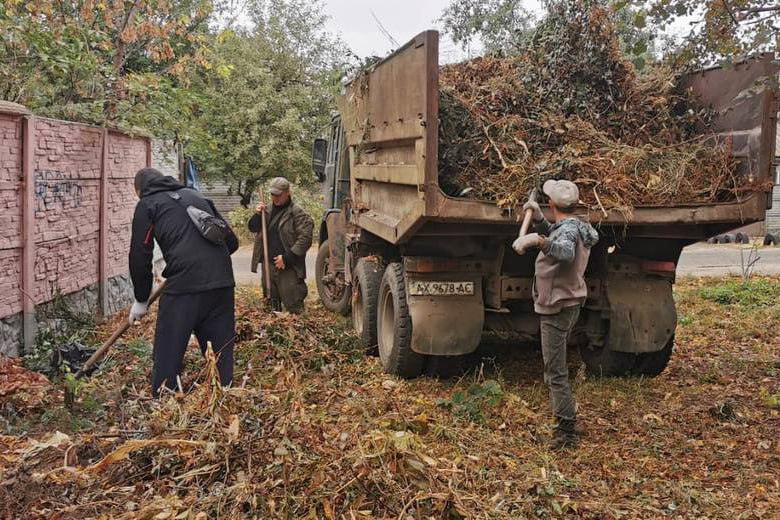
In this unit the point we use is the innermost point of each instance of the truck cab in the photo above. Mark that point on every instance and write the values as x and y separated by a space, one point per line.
331 167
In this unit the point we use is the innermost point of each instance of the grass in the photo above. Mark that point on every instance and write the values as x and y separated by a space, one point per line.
760 292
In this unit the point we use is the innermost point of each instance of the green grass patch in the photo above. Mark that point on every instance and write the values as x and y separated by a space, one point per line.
755 293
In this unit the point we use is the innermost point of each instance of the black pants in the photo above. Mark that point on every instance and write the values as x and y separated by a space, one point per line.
211 316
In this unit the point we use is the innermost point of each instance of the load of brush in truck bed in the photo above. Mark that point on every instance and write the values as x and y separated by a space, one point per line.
571 105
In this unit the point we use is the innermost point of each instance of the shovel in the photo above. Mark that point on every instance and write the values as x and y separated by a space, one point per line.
98 355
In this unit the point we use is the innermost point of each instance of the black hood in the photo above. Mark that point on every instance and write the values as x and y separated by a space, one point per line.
151 184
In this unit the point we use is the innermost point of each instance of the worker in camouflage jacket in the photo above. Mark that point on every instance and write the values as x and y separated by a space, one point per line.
289 239
559 292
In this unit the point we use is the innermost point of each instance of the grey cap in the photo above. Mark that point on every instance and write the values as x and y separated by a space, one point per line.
563 193
278 185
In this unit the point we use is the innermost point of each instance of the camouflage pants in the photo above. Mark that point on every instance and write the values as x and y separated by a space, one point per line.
287 290
556 329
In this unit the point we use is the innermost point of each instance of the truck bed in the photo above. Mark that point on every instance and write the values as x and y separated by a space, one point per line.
390 118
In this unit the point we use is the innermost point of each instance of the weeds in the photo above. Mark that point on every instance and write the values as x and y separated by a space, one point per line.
754 293
475 401
770 400
62 325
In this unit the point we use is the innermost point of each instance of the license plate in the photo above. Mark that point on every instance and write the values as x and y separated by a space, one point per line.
417 288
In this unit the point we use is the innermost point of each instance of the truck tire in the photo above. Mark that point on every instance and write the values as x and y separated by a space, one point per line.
652 364
602 362
741 238
770 239
394 326
365 296
334 293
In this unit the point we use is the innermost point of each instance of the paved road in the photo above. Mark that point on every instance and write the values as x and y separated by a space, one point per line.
696 260
244 276
712 260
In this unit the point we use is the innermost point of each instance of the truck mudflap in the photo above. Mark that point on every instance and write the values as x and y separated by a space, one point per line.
446 308
642 315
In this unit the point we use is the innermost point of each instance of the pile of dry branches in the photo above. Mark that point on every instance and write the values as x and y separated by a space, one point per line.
570 105
314 429
300 435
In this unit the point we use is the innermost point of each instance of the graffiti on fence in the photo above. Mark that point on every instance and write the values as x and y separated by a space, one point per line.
54 190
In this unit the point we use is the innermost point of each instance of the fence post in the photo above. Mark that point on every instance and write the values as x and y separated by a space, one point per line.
104 228
29 329
148 152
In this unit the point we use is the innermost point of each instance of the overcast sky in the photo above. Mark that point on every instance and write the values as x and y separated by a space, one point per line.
403 19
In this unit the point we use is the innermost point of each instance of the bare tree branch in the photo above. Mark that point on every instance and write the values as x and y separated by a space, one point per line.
757 10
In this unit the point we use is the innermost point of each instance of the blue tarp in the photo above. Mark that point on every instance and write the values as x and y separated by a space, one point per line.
191 177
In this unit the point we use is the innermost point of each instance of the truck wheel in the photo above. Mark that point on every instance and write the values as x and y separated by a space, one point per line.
394 326
333 292
365 295
653 363
602 362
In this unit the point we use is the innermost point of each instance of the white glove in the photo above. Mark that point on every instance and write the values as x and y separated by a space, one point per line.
538 215
138 311
526 242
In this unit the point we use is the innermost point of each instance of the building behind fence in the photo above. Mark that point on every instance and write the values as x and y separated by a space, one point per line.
67 199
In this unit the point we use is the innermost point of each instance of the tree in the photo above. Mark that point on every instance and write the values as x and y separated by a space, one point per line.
503 25
102 61
268 95
500 25
720 29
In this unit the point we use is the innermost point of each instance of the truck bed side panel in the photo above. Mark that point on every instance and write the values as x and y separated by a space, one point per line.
386 114
747 114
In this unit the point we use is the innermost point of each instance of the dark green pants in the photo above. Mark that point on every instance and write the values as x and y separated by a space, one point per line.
556 329
287 290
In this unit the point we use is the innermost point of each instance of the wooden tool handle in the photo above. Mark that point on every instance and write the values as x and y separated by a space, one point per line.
529 215
98 355
266 258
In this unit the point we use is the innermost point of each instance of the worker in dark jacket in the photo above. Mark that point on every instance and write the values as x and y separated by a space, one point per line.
289 238
198 295
559 292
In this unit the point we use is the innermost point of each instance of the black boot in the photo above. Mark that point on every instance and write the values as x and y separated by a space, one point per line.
565 436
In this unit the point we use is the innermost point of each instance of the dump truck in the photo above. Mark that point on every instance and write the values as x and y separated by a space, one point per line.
427 276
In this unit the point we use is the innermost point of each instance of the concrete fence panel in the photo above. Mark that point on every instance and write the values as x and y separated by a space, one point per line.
67 200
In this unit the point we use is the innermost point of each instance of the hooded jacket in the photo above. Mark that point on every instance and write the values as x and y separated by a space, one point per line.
193 264
559 281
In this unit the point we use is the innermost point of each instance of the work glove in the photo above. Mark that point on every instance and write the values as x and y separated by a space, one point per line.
532 204
525 242
138 311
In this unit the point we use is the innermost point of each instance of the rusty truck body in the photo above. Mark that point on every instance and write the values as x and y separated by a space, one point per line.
427 276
